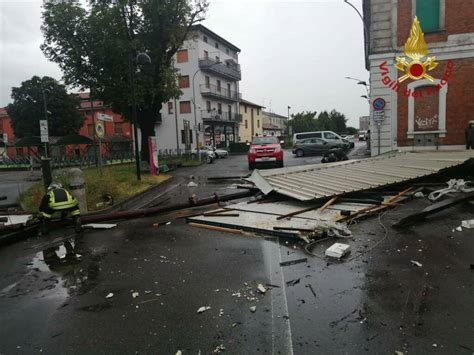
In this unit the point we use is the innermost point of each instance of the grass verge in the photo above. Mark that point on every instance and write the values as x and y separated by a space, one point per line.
118 180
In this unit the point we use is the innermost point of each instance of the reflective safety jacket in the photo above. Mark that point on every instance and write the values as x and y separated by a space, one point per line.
58 200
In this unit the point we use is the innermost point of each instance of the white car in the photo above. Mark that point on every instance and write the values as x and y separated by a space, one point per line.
219 153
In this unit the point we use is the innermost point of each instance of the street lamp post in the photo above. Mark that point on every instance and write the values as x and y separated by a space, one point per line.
366 28
141 58
194 108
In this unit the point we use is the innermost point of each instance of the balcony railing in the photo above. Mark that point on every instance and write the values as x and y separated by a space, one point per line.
215 116
228 69
220 92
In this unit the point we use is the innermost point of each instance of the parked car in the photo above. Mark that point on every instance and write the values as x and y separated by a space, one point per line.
349 143
206 154
330 136
362 135
315 146
219 153
263 150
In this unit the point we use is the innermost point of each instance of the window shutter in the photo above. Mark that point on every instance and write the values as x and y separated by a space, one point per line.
427 12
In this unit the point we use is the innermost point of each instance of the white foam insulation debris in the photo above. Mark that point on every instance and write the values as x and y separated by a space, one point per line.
337 250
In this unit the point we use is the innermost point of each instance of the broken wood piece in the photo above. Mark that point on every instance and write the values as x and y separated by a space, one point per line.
294 229
298 212
434 208
328 203
311 289
293 262
216 228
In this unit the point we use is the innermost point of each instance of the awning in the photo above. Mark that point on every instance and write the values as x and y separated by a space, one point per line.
74 139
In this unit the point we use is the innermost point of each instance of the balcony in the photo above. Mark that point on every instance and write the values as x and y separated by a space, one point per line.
224 117
228 69
219 92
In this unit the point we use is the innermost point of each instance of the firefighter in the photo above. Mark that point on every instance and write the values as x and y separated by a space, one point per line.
58 199
470 135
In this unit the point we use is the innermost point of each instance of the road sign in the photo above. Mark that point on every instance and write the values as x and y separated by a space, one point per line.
378 116
378 104
5 138
99 129
104 117
44 131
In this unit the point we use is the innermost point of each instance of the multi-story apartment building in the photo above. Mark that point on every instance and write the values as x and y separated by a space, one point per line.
252 124
432 110
208 109
364 122
274 124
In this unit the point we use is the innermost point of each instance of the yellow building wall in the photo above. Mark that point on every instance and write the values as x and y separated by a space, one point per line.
245 130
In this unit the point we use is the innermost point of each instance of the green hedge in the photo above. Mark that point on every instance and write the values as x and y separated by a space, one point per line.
238 148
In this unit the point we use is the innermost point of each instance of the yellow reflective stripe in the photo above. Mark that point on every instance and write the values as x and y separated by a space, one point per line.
46 215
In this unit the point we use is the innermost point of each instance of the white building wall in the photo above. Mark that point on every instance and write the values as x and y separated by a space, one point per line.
166 130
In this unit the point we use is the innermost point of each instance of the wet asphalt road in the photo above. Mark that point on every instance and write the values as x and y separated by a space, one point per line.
375 302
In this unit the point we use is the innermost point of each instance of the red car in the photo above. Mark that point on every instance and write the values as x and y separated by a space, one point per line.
263 150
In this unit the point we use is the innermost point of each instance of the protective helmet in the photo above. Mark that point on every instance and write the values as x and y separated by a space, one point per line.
54 185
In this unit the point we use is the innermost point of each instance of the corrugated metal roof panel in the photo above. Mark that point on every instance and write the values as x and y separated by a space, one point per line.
323 180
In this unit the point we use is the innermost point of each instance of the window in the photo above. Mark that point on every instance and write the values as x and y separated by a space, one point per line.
245 108
182 56
229 109
428 12
118 127
205 39
228 90
218 85
227 50
208 106
183 137
258 112
91 129
246 124
219 109
170 108
208 82
217 45
258 123
184 81
329 135
206 55
185 107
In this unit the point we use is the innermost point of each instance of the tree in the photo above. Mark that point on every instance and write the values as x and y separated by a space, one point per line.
303 122
332 121
92 47
351 130
28 108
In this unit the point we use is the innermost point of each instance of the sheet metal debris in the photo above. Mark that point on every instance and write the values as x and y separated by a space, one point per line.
293 262
203 309
468 224
311 182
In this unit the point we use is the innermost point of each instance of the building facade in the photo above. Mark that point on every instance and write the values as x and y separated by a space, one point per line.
252 123
208 108
274 124
421 114
364 122
118 134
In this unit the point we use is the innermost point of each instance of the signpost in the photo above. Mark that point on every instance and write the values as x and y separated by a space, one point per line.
104 117
378 116
44 135
100 132
5 138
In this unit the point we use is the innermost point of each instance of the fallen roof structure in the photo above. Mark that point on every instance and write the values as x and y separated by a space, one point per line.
317 181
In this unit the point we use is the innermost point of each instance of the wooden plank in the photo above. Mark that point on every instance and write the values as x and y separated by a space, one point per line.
327 204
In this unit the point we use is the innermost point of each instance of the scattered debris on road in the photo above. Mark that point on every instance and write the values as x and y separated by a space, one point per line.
337 250
293 262
253 309
416 263
468 224
99 225
261 288
203 309
110 295
292 282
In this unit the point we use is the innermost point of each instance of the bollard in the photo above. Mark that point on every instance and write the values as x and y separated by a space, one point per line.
77 187
46 169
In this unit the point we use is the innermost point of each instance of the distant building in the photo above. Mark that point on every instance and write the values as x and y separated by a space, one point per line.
274 124
117 137
252 123
364 122
213 63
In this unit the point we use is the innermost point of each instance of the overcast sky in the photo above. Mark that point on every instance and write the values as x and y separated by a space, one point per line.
294 52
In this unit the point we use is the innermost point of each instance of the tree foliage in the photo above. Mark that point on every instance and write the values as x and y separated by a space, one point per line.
28 109
325 121
92 47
